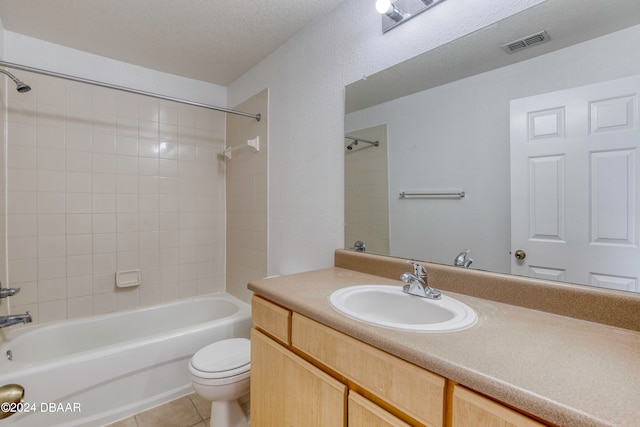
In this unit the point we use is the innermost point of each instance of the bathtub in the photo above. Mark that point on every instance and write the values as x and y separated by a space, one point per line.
97 370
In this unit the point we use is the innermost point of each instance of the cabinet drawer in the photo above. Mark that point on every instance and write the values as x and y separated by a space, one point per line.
364 413
414 391
472 409
271 318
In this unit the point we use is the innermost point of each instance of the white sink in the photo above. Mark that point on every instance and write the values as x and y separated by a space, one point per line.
388 306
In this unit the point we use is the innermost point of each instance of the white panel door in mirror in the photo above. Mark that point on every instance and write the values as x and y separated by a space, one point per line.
574 171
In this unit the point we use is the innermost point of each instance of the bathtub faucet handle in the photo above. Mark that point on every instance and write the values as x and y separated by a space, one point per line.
8 292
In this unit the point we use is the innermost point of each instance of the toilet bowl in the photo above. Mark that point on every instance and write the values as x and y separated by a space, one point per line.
220 373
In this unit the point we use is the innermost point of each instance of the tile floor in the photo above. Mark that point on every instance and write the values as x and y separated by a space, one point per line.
187 411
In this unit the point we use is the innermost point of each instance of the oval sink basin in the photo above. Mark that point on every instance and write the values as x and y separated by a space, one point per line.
388 306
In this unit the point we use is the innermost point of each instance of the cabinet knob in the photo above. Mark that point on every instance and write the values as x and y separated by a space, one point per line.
520 254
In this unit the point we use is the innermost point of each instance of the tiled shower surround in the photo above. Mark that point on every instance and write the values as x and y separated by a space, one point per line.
99 181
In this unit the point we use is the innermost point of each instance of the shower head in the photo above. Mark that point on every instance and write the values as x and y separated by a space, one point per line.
356 140
21 86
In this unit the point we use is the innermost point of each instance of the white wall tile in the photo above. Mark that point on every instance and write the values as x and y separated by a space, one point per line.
126 126
23 270
79 307
52 311
104 182
51 159
21 157
104 303
22 248
104 263
79 244
22 179
79 161
104 243
78 138
79 223
52 246
79 203
78 182
21 202
52 224
127 184
99 180
103 143
79 265
51 203
77 94
21 225
127 203
52 268
21 134
104 163
80 286
104 223
127 145
51 180
168 113
50 136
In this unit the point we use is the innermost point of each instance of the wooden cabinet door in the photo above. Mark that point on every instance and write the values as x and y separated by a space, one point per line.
364 413
412 390
472 409
287 391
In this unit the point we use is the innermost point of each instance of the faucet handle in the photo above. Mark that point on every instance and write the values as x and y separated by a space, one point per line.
418 269
8 292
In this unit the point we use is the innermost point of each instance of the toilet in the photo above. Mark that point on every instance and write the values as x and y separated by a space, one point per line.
220 373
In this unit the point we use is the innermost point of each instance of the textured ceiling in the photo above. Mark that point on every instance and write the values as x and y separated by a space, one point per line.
210 40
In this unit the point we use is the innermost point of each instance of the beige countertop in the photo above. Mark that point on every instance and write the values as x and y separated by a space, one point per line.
567 371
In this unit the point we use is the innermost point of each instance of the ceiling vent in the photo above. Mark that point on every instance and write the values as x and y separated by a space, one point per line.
526 42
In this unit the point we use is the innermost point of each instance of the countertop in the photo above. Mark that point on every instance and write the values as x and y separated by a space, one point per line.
567 371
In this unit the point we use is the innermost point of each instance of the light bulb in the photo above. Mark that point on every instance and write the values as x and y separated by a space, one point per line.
383 6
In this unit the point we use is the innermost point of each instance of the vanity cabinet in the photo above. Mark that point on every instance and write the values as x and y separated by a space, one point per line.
288 391
364 413
472 409
304 373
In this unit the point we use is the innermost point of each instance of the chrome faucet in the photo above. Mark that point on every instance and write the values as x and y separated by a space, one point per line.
13 319
8 292
463 260
416 282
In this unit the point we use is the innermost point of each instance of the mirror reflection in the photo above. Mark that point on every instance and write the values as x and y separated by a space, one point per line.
543 142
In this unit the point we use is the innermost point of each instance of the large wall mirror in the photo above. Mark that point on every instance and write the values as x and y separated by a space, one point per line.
535 151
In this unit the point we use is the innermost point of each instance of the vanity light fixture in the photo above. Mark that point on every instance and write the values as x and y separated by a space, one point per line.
390 9
400 11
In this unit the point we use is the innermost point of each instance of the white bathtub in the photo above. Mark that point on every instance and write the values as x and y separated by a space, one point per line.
97 370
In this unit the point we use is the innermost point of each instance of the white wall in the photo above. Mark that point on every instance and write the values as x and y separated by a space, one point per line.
457 136
306 79
24 50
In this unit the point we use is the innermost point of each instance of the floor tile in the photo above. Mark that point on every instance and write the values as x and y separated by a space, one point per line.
203 406
178 413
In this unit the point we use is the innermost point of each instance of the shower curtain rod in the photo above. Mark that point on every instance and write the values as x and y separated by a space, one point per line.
362 140
126 89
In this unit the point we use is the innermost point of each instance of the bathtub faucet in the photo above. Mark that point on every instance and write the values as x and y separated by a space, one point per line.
14 318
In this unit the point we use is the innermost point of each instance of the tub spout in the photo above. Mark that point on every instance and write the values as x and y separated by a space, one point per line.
14 318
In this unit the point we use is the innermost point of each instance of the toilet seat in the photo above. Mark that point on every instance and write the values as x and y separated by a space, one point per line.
223 359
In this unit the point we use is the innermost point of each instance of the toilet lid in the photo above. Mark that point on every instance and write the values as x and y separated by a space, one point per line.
225 355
